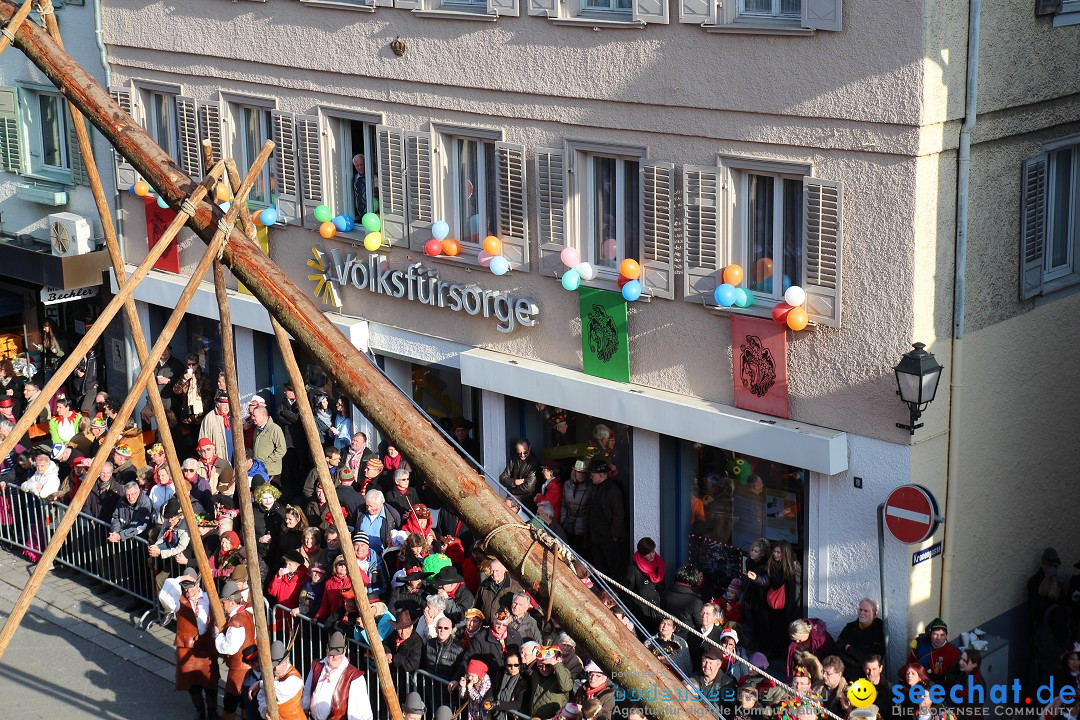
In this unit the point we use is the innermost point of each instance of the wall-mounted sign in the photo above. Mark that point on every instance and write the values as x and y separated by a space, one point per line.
53 295
416 283
931 552
759 360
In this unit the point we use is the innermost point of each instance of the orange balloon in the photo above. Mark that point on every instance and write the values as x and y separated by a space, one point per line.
492 245
630 269
328 230
763 270
256 218
222 193
797 318
142 188
451 247
733 275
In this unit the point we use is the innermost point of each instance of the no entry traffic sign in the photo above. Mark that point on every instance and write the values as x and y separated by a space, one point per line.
911 513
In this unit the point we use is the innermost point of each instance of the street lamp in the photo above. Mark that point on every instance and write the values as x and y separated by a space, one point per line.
917 378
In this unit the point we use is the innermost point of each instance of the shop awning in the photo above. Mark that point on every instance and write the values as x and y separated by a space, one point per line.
786 441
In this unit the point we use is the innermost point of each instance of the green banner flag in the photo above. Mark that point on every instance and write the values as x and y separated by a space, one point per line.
605 343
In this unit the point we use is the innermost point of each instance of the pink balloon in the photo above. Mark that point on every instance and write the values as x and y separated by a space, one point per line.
610 249
484 258
570 257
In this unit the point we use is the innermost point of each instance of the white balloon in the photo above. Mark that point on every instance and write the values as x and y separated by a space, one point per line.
586 271
795 296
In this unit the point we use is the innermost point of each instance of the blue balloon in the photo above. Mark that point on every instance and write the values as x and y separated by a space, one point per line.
132 190
571 280
725 295
631 291
269 216
743 298
474 224
225 206
787 283
439 230
499 265
341 222
349 224
161 203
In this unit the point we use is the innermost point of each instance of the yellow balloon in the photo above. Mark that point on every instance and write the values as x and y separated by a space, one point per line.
373 241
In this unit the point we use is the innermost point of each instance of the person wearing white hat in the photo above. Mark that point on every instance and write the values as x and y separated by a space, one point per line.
596 686
334 688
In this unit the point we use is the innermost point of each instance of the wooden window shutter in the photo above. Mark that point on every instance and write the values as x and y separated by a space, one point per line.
513 208
657 191
702 192
283 127
10 147
544 8
309 158
503 8
391 142
418 165
210 127
696 12
651 11
550 209
1032 226
823 234
76 161
125 173
188 132
822 14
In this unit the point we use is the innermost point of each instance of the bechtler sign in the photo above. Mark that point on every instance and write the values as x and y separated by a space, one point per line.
416 283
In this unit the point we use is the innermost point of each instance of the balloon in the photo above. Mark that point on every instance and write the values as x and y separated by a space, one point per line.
225 206
474 224
499 265
269 216
132 190
142 188
610 249
433 247
373 241
571 280
451 247
341 223
780 312
797 318
161 203
349 223
795 296
493 246
327 230
630 269
724 295
257 219
374 204
586 271
743 298
371 222
733 275
322 213
787 283
762 270
439 230
484 259
570 257
222 193
631 291
621 281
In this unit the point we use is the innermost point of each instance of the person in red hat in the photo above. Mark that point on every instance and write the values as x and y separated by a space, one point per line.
7 409
215 427
475 688
217 473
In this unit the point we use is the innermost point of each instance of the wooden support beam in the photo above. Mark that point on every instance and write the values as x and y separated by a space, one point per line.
13 26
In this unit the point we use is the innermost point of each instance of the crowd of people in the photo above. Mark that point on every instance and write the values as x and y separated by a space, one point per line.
442 604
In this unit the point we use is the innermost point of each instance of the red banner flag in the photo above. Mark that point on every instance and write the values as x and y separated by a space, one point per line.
759 357
158 220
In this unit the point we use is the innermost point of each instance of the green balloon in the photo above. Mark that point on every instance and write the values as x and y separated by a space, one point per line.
375 204
322 213
371 222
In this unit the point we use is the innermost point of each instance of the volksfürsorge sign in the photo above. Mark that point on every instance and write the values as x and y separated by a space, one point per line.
415 283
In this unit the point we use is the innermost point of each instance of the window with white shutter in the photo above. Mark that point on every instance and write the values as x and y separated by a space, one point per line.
249 124
125 173
187 123
46 134
550 209
418 164
310 164
157 111
78 163
210 127
657 228
391 148
285 161
780 17
10 145
702 213
1033 227
347 176
1049 225
823 237
513 213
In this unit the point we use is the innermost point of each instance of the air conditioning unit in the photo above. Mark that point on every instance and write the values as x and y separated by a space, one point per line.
70 234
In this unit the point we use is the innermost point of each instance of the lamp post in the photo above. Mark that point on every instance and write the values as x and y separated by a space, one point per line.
917 377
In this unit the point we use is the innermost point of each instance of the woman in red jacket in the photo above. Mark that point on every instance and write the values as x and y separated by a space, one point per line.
285 587
332 600
551 488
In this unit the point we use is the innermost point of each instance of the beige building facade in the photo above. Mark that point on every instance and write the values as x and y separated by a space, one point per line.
818 137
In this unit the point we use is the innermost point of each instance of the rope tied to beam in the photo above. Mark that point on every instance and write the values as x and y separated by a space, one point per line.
552 547
44 8
187 207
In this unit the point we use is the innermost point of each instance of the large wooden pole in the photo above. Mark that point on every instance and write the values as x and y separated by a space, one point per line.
183 493
584 617
18 611
243 482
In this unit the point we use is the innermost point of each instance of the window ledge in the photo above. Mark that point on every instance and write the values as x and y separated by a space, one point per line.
50 195
1064 18
479 15
759 311
752 28
340 5
1065 281
600 24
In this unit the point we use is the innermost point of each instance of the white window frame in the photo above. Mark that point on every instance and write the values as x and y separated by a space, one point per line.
338 162
580 210
233 117
475 10
717 16
739 170
145 109
446 182
775 14
1055 278
33 148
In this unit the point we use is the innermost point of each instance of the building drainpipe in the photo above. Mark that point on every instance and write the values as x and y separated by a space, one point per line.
959 281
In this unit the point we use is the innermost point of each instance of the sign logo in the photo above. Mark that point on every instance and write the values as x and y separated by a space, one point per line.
52 295
861 693
335 270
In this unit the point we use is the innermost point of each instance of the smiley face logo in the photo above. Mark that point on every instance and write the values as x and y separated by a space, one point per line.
861 693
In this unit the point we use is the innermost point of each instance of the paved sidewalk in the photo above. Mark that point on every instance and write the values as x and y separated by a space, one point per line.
80 655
